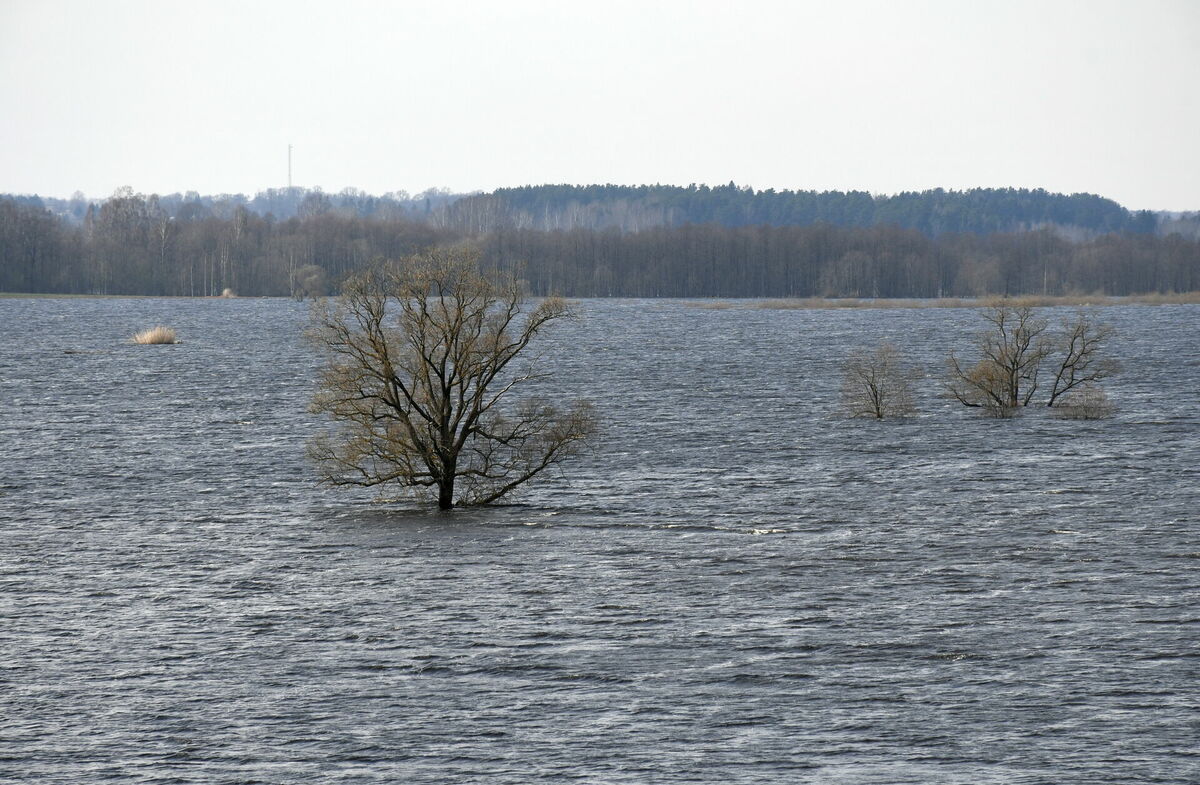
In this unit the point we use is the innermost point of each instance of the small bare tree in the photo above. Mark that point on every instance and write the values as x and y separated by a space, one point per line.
1082 366
878 384
1012 352
1015 349
420 366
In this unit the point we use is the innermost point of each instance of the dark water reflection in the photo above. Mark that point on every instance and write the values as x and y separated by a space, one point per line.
737 586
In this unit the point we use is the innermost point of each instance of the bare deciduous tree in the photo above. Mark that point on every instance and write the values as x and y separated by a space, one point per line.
878 384
1013 352
1082 366
420 366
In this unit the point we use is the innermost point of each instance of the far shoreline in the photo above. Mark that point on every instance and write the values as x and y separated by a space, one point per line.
1036 301
750 303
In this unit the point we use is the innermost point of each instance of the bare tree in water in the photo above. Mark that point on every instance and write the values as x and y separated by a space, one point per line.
420 374
1082 365
878 384
1013 352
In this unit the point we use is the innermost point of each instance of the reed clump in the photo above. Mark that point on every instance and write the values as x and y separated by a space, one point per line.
158 334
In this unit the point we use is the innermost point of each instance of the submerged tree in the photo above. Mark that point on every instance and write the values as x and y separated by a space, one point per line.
1082 366
420 367
1012 351
878 384
1015 349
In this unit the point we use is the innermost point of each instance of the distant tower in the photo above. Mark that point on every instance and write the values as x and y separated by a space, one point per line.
289 167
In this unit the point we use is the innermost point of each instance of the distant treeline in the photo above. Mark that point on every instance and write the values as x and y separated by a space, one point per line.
933 212
830 261
131 244
277 203
634 208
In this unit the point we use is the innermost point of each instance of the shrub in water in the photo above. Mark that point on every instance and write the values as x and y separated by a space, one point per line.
157 334
1086 403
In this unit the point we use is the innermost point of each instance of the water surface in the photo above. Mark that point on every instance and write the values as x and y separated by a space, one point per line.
737 586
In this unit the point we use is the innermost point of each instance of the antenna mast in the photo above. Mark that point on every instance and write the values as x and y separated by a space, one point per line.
289 167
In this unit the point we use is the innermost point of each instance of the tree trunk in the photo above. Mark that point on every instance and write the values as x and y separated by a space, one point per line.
449 460
446 494
446 484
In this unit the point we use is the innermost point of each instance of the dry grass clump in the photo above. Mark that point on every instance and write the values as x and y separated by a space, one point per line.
159 334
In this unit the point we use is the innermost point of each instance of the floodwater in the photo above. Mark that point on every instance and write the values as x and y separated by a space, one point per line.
737 586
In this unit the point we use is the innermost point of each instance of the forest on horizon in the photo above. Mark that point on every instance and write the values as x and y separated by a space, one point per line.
607 240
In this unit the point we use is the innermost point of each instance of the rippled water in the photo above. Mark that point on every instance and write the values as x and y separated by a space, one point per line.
738 586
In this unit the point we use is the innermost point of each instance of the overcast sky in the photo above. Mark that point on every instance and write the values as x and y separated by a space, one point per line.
171 96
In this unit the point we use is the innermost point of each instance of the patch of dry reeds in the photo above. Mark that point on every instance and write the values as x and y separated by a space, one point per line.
1171 298
819 303
159 334
1033 301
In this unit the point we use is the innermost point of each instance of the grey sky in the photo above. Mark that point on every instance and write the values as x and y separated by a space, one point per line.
880 96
